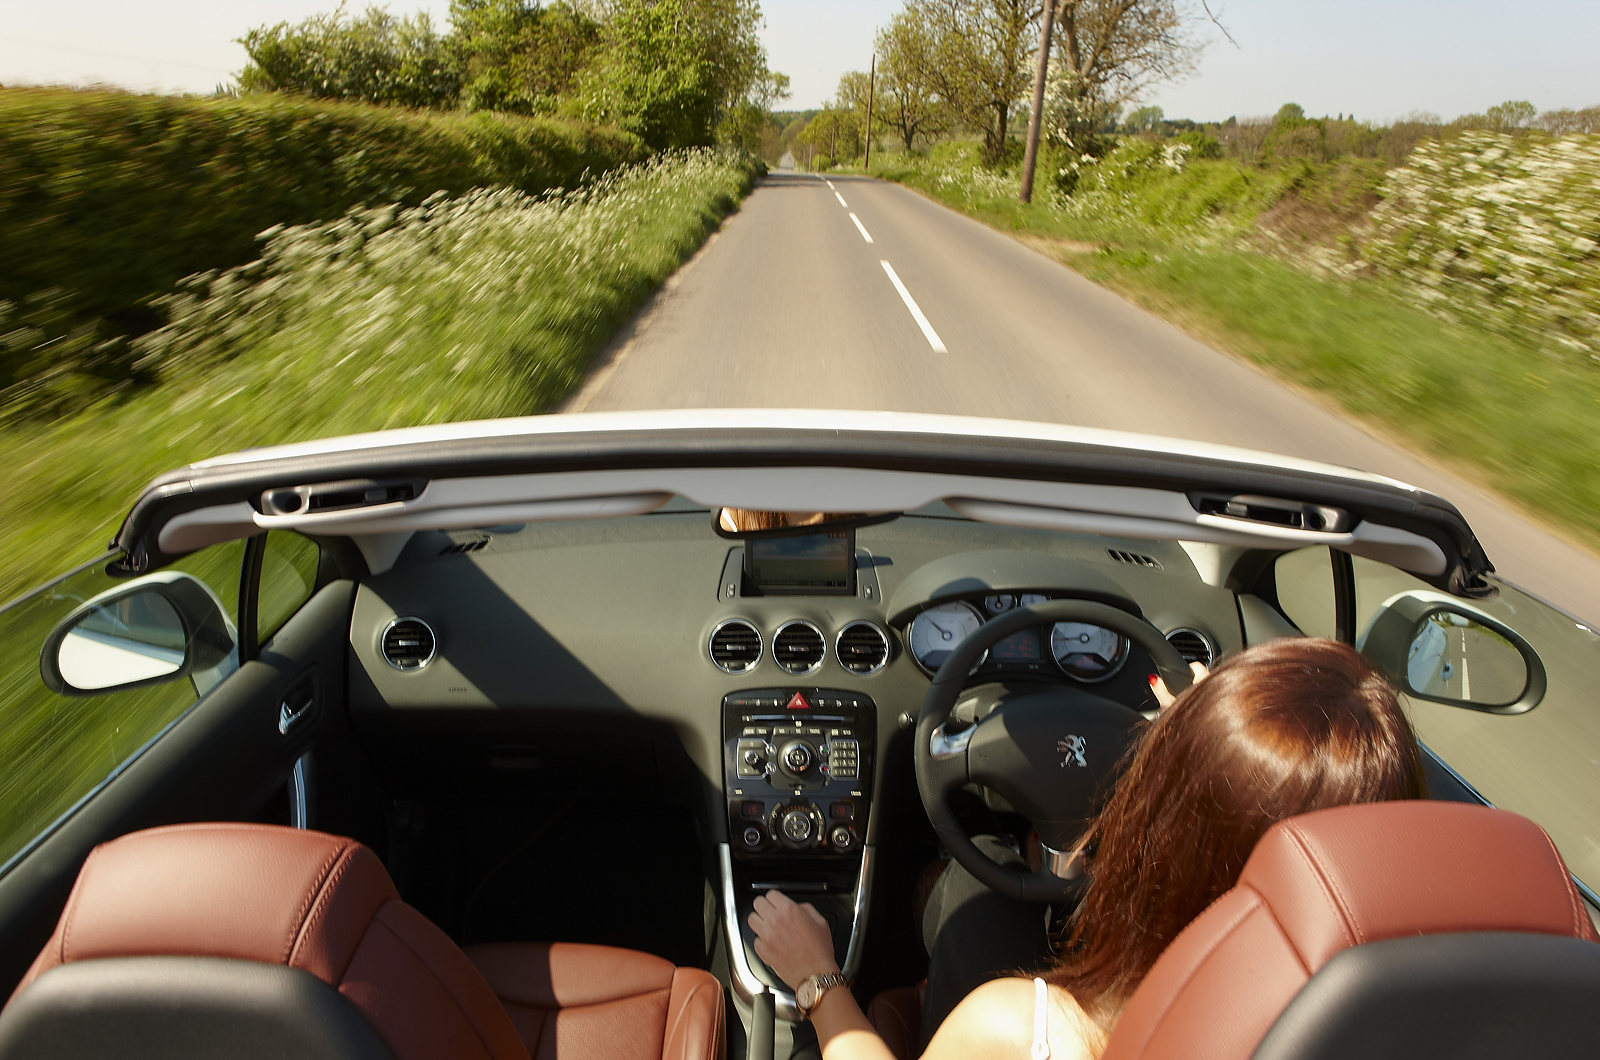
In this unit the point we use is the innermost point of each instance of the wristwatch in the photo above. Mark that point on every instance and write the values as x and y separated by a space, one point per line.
809 993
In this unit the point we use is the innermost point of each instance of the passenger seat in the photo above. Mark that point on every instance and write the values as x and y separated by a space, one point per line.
254 940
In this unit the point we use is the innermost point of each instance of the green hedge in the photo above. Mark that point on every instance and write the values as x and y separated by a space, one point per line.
109 199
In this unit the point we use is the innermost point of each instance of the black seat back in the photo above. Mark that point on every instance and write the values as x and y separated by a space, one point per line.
184 1008
1463 996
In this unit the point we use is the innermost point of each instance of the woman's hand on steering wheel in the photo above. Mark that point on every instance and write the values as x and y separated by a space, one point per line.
791 937
1159 687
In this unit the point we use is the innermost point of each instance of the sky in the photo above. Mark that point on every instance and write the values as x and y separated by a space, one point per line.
1377 59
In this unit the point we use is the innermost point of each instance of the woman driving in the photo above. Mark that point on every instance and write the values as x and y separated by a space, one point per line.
1281 729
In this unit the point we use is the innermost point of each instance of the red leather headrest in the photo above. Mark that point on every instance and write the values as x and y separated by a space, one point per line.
1338 878
1326 881
249 892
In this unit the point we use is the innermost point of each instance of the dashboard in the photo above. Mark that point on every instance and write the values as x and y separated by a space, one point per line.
642 624
791 712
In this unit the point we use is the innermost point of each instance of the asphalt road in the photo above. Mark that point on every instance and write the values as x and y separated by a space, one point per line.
792 306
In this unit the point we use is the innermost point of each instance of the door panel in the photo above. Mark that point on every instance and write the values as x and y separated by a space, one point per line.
224 760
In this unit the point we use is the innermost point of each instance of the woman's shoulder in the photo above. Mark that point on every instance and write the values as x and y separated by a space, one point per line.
997 1020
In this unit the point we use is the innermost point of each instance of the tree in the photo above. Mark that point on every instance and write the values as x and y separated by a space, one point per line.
908 99
376 58
1145 119
1566 121
835 132
1111 50
679 73
1511 116
518 56
980 60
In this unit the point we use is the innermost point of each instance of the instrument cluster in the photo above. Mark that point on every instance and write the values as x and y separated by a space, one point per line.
1079 650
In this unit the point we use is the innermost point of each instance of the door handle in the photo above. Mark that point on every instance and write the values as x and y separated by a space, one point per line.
297 703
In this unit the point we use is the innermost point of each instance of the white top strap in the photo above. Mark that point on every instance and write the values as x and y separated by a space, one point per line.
1041 1009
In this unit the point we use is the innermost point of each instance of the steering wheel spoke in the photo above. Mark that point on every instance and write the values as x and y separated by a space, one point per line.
1053 753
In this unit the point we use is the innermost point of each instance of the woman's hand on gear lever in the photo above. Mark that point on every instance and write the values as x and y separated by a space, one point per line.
793 939
795 942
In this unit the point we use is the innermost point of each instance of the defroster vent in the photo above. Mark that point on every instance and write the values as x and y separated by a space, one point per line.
863 648
798 647
1193 646
408 644
735 646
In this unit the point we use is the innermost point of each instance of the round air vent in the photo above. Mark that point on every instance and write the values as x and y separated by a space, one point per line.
798 647
735 646
408 644
1193 645
862 648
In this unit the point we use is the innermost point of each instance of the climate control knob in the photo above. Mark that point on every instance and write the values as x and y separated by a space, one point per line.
797 757
841 838
797 824
752 758
752 837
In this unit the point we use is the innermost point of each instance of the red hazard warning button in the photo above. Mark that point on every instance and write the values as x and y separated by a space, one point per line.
798 702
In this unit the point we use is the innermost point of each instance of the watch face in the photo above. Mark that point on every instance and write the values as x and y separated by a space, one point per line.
806 996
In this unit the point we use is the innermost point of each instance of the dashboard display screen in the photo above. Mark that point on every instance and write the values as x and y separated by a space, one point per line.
1023 646
809 563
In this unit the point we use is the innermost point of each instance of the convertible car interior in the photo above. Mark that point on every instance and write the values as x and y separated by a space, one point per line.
480 740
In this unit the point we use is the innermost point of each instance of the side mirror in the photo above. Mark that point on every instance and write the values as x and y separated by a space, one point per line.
1438 648
158 628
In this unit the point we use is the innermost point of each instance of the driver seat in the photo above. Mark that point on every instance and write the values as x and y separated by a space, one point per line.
249 941
1383 930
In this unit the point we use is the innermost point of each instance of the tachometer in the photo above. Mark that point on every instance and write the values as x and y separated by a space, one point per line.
936 632
1089 653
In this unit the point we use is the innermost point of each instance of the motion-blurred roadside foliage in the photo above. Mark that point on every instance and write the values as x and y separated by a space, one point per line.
107 200
490 303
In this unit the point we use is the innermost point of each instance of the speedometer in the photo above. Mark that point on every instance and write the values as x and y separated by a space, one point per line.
1089 653
936 632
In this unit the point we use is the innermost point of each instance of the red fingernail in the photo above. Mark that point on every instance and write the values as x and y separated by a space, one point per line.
1152 680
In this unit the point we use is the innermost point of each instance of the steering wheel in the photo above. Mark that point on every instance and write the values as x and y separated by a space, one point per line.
1049 753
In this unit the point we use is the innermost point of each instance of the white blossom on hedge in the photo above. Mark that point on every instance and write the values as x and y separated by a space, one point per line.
1499 231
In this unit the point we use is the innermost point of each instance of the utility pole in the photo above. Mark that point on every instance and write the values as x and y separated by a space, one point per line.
872 84
1036 119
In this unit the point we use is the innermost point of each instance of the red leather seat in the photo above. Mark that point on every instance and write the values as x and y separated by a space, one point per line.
326 905
1324 882
1315 886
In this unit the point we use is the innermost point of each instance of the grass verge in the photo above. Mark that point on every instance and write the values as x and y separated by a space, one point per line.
490 304
1502 410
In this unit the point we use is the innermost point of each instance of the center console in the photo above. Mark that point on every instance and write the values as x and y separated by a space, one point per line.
797 778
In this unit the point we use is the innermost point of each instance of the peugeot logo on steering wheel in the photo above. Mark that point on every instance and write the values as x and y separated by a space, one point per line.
1073 747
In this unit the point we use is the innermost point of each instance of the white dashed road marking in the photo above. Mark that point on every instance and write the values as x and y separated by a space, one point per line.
846 205
861 228
916 314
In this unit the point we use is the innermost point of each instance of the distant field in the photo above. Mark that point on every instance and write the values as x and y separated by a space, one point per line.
1512 406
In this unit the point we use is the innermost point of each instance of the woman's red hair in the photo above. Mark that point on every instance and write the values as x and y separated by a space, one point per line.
1284 728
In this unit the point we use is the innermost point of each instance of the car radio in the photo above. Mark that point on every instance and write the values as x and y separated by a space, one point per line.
797 770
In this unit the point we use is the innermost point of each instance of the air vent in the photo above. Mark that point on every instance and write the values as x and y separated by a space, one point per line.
464 546
1138 559
863 648
798 647
1193 646
408 644
735 646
